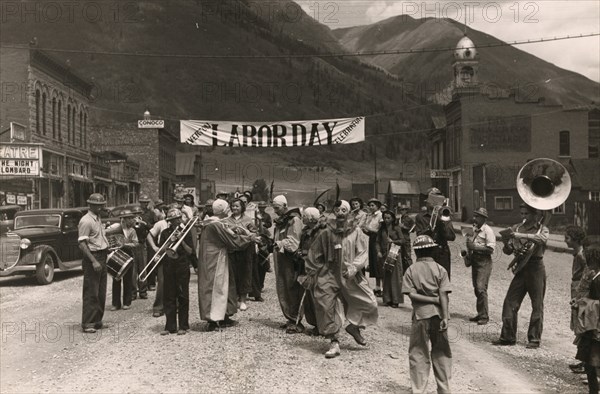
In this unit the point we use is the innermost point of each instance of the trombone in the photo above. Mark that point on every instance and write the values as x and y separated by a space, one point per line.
440 210
173 243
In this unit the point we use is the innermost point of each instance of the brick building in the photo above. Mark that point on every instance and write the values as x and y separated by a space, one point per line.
486 136
48 103
154 150
116 177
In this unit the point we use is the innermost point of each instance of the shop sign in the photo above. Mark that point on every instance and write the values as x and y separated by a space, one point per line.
21 200
151 124
20 160
440 174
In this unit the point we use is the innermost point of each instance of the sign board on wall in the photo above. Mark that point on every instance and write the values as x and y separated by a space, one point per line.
501 134
440 174
20 160
18 132
151 124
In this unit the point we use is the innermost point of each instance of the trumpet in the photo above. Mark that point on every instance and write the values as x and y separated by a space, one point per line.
440 210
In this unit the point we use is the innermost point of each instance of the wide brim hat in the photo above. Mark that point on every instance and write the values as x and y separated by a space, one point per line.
159 203
179 198
144 198
126 213
481 212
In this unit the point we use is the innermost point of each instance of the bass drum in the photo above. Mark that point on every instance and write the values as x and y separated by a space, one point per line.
117 263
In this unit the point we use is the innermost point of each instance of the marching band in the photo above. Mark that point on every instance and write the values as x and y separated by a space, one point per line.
320 262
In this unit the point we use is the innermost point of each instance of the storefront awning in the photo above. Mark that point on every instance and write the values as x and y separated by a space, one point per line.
79 178
138 182
54 177
119 183
102 179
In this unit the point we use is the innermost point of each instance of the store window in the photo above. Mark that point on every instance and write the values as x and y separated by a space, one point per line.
503 203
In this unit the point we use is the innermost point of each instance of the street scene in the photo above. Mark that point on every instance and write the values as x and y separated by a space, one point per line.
299 196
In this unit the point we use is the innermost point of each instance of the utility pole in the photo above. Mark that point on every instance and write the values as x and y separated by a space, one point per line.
375 186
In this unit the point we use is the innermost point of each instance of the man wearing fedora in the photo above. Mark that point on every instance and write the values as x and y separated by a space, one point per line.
94 246
481 248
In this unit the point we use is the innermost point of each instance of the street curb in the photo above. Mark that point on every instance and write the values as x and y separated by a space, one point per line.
551 245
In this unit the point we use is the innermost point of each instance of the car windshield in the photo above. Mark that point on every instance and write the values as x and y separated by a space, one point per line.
37 221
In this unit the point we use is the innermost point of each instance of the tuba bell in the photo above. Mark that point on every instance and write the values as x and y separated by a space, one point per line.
543 184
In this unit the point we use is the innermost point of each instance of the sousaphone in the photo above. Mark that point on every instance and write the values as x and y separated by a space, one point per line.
544 184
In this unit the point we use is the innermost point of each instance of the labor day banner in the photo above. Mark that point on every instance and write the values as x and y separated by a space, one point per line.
273 134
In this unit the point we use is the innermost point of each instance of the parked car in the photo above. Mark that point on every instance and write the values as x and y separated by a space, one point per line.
42 240
7 217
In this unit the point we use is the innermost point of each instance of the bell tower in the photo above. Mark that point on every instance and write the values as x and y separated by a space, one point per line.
466 64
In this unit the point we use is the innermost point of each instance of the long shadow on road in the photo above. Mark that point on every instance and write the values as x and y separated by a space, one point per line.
29 280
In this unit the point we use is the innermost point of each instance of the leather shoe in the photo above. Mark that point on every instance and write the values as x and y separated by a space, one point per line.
474 318
334 350
532 345
213 326
502 342
482 322
89 330
143 296
229 322
295 329
181 332
157 314
355 332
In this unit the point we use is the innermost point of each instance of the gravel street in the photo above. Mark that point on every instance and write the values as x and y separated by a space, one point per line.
43 349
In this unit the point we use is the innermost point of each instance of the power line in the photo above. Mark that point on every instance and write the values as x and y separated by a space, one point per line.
313 55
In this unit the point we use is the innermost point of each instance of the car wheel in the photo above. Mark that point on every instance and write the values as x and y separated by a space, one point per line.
44 271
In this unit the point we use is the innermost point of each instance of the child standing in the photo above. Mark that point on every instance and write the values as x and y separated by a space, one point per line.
427 285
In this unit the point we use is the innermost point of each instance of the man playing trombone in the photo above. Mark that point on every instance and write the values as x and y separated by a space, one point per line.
437 223
176 274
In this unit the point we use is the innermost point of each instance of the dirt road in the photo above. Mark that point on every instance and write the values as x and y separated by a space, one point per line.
43 349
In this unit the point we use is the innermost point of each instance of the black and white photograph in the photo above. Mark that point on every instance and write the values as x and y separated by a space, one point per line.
309 196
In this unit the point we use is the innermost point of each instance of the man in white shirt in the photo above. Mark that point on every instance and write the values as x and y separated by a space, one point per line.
481 248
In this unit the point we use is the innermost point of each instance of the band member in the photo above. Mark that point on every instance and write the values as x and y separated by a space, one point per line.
152 241
407 224
251 207
441 233
288 227
130 241
188 201
531 279
148 219
216 286
480 249
159 210
335 260
427 284
176 274
370 226
390 234
322 212
94 246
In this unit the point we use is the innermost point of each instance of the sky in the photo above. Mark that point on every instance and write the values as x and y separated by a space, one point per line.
507 20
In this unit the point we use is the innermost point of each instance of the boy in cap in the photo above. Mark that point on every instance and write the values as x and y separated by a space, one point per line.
480 249
427 285
130 241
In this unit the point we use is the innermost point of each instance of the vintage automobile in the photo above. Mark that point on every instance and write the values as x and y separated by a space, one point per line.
42 240
7 217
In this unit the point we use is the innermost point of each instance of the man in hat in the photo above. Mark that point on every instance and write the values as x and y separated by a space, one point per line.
406 225
223 195
94 246
187 212
176 274
531 279
443 231
427 284
480 248
288 228
148 219
159 210
130 241
217 296
334 267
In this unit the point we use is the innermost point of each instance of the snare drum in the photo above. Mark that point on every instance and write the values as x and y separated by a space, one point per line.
117 263
392 257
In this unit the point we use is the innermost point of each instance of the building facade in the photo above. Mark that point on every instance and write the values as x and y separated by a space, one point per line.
485 137
154 149
45 103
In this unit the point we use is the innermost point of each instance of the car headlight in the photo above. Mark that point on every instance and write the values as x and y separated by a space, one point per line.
25 243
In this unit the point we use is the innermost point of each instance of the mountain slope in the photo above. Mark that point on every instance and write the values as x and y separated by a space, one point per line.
505 66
